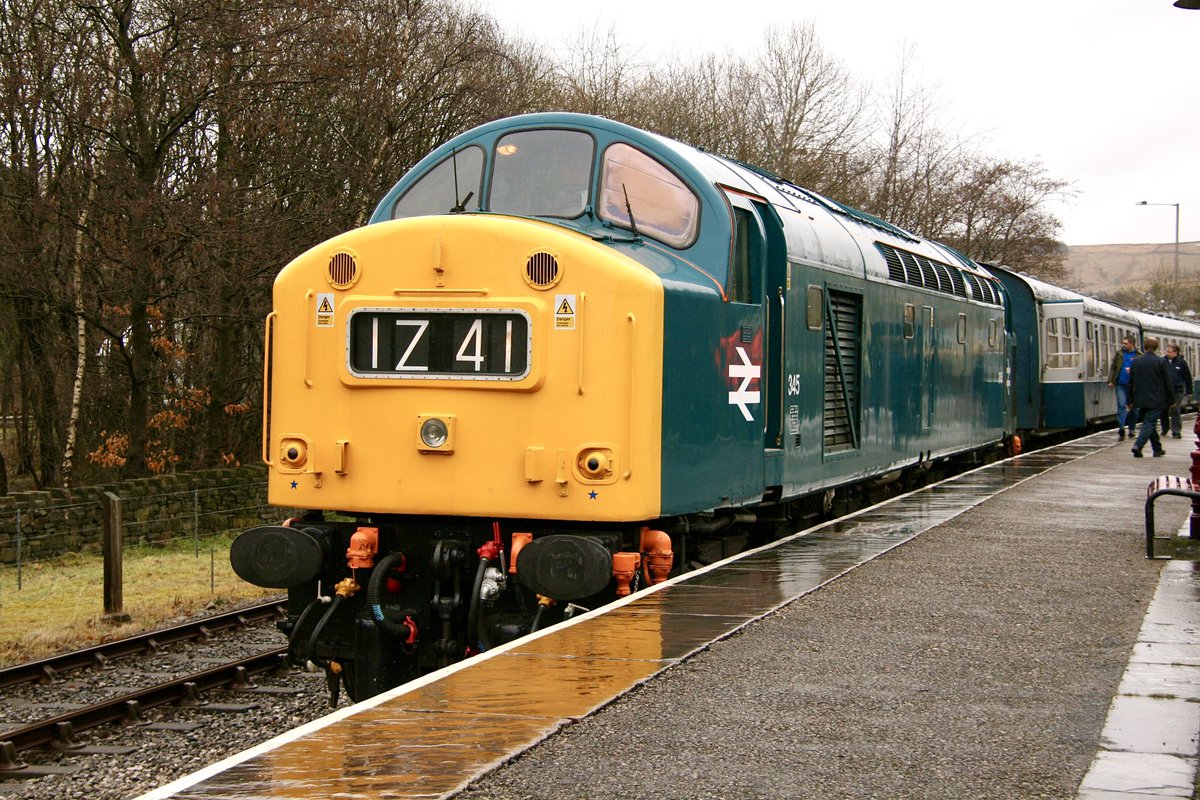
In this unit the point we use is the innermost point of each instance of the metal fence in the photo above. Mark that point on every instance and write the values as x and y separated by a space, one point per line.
29 537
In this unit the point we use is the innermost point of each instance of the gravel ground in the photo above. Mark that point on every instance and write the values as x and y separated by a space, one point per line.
976 661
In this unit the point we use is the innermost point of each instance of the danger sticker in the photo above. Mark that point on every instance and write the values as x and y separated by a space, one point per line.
564 312
325 310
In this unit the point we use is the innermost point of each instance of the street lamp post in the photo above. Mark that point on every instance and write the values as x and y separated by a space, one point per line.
1176 205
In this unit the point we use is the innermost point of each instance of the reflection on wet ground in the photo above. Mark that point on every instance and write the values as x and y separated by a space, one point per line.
430 737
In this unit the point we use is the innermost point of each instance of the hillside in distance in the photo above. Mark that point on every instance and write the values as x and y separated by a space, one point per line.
1101 270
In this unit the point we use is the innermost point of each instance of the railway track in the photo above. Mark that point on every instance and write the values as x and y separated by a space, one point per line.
50 670
36 748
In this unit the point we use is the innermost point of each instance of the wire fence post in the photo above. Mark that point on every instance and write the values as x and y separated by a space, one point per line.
196 519
114 600
18 549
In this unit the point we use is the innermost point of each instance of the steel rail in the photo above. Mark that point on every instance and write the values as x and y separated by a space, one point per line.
48 670
130 705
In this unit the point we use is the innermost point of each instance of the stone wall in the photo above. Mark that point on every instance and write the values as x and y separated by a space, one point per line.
45 524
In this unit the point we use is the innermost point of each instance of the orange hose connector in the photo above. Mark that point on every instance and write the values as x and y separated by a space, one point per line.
658 558
519 540
364 544
625 566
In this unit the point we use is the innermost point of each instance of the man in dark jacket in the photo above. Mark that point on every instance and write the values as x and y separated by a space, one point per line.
1153 391
1181 376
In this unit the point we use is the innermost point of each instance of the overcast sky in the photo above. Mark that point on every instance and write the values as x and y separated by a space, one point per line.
1104 93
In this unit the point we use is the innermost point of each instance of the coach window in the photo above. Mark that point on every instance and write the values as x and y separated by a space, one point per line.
910 320
962 328
663 207
542 173
1090 349
453 185
1062 342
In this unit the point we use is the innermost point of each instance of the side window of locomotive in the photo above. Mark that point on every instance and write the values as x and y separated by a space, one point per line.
962 328
910 320
993 332
453 185
815 312
542 173
745 266
664 208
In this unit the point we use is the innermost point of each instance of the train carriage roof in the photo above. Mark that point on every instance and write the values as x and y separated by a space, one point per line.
1049 293
1156 324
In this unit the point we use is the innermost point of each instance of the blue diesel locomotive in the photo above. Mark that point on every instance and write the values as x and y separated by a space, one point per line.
568 358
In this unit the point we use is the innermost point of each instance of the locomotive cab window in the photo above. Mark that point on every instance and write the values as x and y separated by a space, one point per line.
910 320
664 208
747 256
453 185
542 173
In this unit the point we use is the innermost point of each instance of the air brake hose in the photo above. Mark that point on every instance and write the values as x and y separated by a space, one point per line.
295 634
312 640
537 618
375 586
473 609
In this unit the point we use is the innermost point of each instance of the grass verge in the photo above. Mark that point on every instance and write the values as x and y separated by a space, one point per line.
59 605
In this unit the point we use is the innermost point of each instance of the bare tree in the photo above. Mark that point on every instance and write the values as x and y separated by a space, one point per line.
1001 218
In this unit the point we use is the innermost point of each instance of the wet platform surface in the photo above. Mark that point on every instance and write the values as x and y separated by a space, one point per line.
431 737
1151 740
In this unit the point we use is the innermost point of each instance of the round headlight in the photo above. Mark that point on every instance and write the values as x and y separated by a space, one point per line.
434 433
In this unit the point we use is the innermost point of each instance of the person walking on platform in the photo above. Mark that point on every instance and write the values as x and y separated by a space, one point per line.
1182 375
1152 391
1118 379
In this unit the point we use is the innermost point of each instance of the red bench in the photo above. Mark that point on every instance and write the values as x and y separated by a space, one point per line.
1172 485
